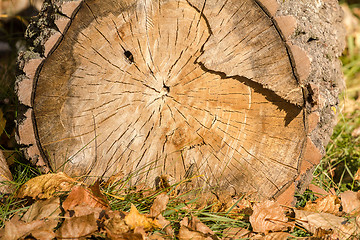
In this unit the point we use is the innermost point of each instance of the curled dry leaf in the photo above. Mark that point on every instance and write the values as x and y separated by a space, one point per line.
268 216
313 222
41 209
46 186
81 195
327 204
77 227
135 219
159 205
350 202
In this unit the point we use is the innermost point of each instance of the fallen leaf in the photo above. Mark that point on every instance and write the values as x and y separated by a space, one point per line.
83 209
318 192
236 233
357 175
127 236
165 225
81 195
5 176
196 224
15 228
116 226
350 202
328 204
159 205
2 122
278 236
135 219
46 186
77 227
41 209
186 234
348 230
312 222
268 216
157 236
356 132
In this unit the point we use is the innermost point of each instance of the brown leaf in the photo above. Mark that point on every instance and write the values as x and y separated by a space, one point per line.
127 236
165 225
157 236
116 226
81 195
2 122
159 205
278 236
357 175
186 234
5 176
356 132
77 227
350 202
135 219
15 228
314 221
83 209
348 230
328 204
46 186
41 209
236 233
268 216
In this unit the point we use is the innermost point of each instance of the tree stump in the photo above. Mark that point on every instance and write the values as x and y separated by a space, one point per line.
239 96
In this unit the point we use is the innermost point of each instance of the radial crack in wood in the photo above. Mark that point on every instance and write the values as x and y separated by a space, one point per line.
206 90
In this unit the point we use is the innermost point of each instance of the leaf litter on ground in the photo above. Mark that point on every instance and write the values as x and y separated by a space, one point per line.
63 208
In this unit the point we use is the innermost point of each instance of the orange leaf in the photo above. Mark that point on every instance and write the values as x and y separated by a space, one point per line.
135 219
80 195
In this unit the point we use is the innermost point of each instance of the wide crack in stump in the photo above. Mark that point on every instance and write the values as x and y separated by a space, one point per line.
182 88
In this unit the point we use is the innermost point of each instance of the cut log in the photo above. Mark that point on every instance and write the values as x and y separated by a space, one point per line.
236 95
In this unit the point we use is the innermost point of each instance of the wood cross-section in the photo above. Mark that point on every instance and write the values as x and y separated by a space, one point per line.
184 88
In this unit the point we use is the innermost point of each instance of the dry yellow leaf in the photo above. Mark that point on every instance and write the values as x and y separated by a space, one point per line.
326 204
46 186
135 219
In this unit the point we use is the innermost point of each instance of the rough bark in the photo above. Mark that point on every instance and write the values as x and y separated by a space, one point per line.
236 94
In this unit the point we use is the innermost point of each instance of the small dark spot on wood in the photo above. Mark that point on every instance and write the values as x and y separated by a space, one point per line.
129 56
312 39
166 88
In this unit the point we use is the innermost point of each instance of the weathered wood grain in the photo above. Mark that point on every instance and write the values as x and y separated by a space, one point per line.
212 90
